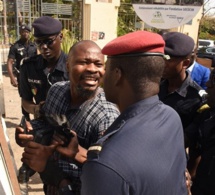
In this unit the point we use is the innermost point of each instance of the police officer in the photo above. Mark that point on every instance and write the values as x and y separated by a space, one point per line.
23 48
177 89
136 154
38 73
201 135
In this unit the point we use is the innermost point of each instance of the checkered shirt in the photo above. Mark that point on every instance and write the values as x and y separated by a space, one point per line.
89 120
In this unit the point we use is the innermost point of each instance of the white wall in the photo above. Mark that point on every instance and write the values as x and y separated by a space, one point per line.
100 18
192 30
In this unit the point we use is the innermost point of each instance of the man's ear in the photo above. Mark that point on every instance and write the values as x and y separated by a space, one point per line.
61 36
117 76
186 63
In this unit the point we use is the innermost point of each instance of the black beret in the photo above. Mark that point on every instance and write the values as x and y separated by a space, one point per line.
46 26
178 44
24 27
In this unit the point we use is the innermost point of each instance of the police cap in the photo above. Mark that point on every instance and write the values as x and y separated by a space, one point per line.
46 26
178 44
139 43
24 27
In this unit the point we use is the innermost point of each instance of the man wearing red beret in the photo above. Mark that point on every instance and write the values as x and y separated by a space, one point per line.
142 152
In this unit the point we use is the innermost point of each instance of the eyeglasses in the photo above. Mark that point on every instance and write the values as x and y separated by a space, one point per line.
46 42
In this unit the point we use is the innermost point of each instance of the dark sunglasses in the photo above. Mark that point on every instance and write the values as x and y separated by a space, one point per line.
46 42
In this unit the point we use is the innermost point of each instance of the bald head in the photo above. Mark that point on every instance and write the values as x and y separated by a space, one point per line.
83 45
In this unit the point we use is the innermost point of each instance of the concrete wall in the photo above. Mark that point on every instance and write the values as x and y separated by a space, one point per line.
192 29
2 104
100 20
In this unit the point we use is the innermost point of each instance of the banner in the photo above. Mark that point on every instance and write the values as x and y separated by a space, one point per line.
166 14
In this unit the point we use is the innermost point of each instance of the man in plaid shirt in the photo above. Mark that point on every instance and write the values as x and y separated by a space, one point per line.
81 102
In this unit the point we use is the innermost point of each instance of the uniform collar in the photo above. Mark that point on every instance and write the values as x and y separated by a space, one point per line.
61 64
133 110
20 42
182 91
184 87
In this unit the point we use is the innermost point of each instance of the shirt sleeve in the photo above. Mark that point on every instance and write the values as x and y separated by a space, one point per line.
12 52
99 179
25 88
205 78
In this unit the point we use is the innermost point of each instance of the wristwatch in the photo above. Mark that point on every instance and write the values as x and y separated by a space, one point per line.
66 190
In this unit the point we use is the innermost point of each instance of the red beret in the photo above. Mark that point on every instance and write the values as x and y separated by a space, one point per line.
138 42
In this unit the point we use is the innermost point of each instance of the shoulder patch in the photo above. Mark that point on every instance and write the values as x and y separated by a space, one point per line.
93 151
203 108
95 148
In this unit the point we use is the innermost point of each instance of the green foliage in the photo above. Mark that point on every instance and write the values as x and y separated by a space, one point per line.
207 28
68 40
12 36
126 18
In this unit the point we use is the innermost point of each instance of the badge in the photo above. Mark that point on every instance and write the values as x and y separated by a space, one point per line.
34 91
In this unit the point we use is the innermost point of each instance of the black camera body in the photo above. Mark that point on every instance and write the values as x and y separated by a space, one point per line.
43 130
64 131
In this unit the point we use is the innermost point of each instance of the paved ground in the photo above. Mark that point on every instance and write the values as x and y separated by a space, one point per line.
12 119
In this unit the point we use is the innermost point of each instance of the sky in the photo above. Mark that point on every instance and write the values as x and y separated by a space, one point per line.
210 5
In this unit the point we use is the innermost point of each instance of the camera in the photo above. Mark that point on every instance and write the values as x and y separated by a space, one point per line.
60 126
65 132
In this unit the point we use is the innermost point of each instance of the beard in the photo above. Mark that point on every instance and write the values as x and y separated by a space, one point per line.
85 93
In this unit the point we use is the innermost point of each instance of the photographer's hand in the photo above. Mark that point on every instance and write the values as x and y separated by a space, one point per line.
20 135
36 155
72 149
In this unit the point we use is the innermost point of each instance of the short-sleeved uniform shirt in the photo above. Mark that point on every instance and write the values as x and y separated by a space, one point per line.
185 100
19 50
142 154
89 121
35 79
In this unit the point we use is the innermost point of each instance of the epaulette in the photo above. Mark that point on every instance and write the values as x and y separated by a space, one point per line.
203 108
94 150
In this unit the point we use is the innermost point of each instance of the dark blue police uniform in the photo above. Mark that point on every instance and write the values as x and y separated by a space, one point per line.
201 133
138 159
19 50
186 100
35 79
